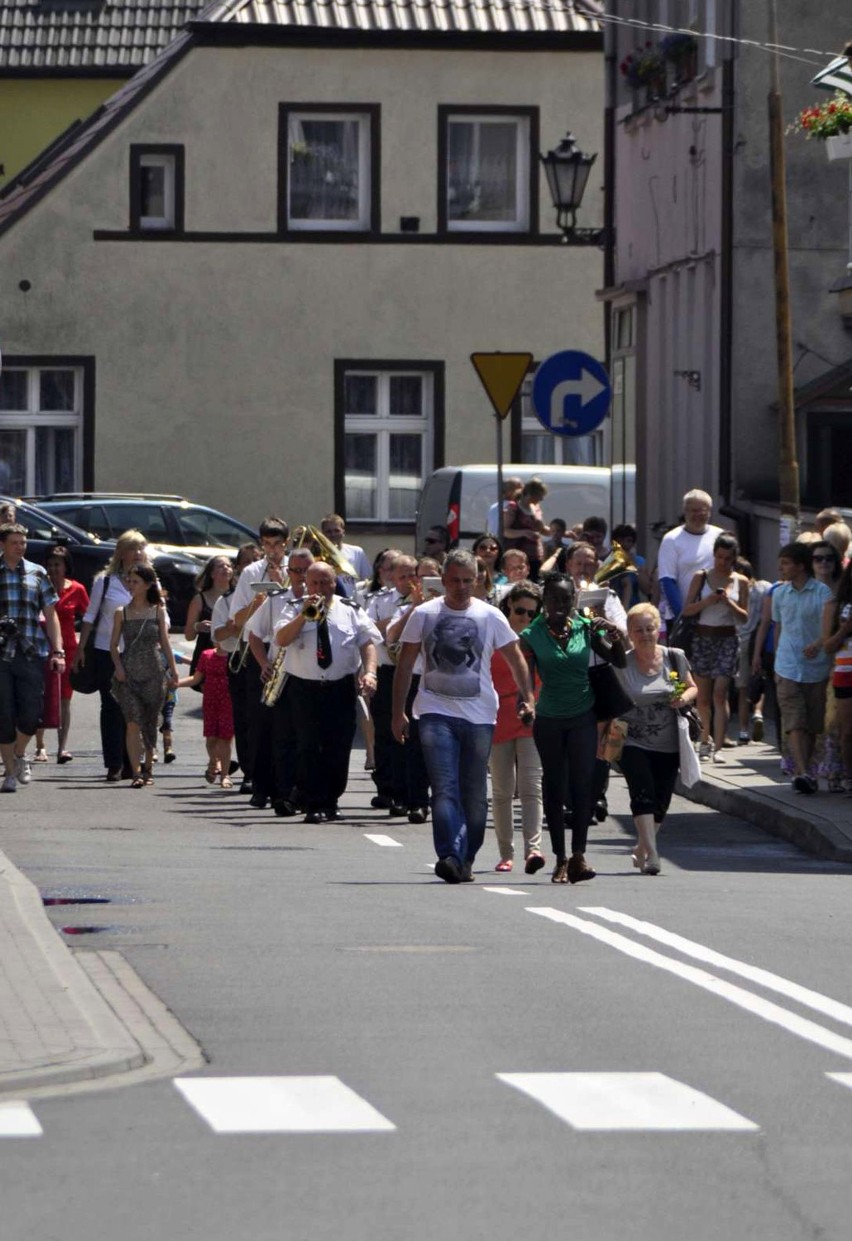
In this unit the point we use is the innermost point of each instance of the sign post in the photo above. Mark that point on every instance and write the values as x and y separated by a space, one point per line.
501 375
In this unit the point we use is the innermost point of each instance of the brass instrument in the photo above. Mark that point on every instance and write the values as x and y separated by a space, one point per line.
315 609
323 549
271 691
617 562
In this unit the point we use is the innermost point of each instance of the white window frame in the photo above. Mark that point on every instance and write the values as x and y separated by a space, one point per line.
383 424
168 163
33 419
521 222
566 448
362 222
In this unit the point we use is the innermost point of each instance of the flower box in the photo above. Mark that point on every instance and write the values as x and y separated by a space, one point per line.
839 146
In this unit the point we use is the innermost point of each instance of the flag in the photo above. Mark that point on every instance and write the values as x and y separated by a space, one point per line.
836 76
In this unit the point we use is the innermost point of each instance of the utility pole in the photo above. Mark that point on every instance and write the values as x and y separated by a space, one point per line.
788 464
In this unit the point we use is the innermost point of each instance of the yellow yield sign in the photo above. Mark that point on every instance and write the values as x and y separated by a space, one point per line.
501 375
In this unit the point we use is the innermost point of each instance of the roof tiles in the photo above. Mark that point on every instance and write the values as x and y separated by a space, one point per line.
506 16
119 35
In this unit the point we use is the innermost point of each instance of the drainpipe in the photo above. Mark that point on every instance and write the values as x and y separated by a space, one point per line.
726 292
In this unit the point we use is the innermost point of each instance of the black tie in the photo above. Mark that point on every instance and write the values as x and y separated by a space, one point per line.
323 644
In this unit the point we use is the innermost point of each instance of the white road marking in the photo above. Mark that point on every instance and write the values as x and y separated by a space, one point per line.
17 1120
845 1079
773 1013
773 982
387 841
627 1101
280 1105
506 891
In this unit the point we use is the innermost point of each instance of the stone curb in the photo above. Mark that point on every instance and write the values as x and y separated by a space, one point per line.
48 983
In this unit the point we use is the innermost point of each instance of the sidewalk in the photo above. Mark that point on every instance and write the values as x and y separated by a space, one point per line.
749 784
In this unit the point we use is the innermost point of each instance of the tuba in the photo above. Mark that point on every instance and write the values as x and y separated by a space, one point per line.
617 562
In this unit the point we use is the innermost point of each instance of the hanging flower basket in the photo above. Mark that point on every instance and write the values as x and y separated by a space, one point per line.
681 51
645 68
829 122
839 146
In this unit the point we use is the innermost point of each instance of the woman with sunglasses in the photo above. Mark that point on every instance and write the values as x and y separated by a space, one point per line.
487 549
514 757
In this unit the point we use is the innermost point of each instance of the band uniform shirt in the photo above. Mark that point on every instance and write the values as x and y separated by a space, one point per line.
221 616
401 608
274 612
382 607
257 571
25 592
349 628
457 646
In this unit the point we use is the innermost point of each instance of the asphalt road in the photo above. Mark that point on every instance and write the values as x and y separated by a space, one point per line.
455 1047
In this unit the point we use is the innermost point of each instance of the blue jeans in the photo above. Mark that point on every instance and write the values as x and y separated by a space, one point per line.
456 754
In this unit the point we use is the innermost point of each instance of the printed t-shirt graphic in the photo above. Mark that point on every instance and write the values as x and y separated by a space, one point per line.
453 647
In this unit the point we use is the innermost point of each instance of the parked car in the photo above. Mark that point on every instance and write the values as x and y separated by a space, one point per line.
177 572
173 523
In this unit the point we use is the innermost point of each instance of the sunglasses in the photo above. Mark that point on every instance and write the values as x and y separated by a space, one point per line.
525 611
823 559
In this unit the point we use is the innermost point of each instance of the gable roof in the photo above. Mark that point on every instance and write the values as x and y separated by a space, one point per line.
75 36
450 16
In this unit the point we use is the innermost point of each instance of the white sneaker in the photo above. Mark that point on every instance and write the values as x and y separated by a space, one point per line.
705 751
10 785
23 770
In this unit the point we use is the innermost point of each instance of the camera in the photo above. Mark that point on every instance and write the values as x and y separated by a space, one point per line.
8 629
845 612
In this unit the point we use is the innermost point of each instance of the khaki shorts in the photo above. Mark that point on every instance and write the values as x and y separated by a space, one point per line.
802 705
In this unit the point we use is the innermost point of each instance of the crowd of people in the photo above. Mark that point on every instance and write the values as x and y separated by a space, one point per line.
541 656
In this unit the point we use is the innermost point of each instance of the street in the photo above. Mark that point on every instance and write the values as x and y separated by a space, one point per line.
464 1037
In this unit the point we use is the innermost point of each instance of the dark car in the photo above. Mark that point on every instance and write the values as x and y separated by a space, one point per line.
176 572
172 522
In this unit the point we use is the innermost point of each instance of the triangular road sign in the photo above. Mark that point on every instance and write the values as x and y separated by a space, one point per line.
501 375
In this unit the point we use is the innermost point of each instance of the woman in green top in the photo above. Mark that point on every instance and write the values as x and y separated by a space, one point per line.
557 646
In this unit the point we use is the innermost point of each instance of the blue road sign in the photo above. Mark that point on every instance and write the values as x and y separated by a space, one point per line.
571 393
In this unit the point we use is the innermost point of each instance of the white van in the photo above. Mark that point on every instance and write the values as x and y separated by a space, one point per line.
459 496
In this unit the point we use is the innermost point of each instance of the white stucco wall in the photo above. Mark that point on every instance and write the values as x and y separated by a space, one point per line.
214 361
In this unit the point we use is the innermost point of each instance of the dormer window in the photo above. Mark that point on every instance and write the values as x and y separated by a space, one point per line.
156 188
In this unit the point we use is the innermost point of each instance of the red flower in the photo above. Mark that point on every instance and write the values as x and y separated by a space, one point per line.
832 108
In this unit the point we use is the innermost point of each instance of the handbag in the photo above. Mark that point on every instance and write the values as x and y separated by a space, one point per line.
682 632
690 769
84 679
693 719
610 699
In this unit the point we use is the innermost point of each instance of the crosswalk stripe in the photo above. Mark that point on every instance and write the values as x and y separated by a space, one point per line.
845 1079
280 1105
17 1120
627 1101
772 982
755 1004
387 841
506 891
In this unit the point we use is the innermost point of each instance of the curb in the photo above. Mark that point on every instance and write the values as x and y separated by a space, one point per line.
815 833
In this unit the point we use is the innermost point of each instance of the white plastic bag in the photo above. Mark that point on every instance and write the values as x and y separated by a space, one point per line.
690 768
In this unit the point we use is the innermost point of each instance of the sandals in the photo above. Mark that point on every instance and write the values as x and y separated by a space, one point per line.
505 864
138 782
560 873
64 756
40 756
211 773
227 782
147 778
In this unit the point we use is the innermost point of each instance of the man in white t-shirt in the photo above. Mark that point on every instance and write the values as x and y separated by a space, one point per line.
456 707
685 551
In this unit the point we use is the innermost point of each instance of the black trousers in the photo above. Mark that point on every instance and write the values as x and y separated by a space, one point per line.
567 749
21 695
259 729
284 745
237 686
381 709
113 728
325 715
650 776
410 777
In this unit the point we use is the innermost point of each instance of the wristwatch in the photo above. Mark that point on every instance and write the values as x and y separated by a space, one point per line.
58 654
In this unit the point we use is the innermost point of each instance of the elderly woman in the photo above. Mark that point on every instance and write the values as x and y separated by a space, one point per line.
109 592
514 758
658 680
557 645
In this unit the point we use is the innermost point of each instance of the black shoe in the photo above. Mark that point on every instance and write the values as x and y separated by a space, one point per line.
448 869
127 772
284 809
467 873
313 816
601 810
332 815
395 811
232 766
381 802
245 787
419 815
258 802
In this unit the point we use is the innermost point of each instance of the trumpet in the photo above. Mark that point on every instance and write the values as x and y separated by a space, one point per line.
315 608
271 691
617 562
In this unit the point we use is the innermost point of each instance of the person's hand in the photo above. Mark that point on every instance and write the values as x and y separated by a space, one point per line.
526 712
415 594
399 727
367 684
120 675
57 663
276 573
79 658
812 650
172 680
202 626
265 671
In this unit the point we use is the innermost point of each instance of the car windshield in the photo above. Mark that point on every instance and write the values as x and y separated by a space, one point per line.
47 526
205 528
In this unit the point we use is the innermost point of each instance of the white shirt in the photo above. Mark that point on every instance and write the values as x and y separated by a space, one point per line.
349 628
359 560
681 556
383 607
257 571
457 646
401 608
274 612
220 617
493 525
117 596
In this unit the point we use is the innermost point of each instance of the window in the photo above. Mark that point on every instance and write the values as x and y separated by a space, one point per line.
156 188
146 517
330 168
488 177
390 420
40 429
541 447
203 528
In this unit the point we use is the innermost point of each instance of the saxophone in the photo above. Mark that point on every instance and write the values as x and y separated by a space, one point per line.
271 691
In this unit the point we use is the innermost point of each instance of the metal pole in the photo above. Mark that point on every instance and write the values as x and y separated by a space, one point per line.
499 422
788 465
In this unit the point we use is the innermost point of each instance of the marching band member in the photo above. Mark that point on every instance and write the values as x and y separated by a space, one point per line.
380 608
329 641
277 735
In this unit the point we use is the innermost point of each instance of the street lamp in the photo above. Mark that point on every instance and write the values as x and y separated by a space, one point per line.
567 170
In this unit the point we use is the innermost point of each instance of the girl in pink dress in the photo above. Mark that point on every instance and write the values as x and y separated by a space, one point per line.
212 675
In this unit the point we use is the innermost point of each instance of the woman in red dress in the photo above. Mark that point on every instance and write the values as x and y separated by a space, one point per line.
73 601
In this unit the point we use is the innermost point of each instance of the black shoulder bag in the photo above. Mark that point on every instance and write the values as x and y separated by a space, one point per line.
85 679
